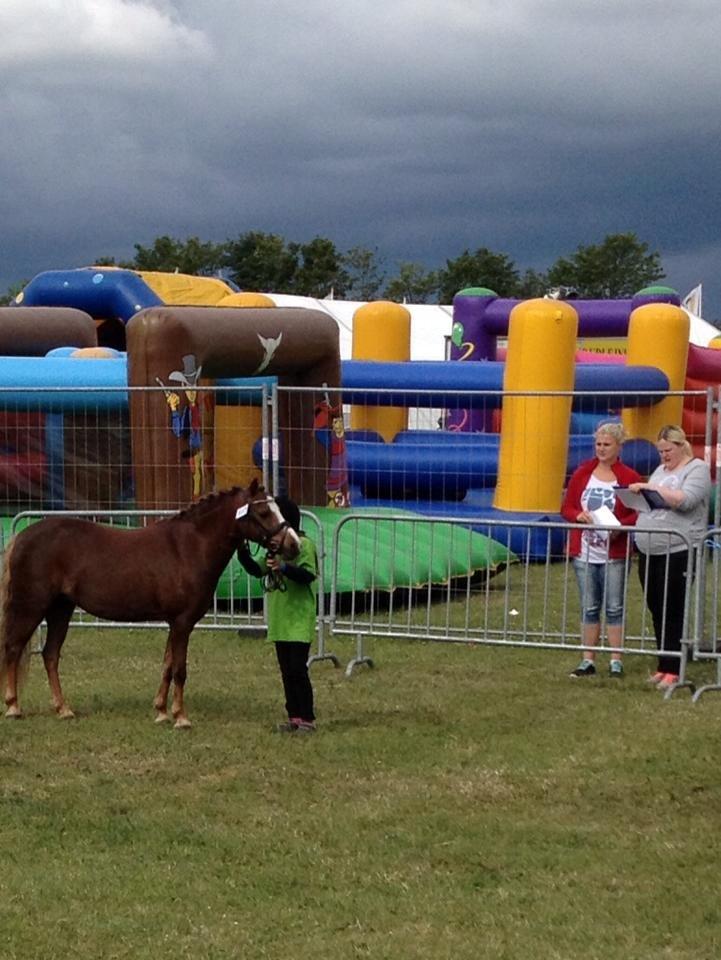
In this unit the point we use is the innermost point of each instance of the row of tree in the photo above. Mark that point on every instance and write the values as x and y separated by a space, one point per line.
265 262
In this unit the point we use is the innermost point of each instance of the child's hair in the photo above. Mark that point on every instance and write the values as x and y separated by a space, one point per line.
673 434
614 428
290 511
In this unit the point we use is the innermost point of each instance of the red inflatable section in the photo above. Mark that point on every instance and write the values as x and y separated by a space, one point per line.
703 370
22 456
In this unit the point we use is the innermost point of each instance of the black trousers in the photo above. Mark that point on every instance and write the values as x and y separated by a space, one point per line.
293 663
663 578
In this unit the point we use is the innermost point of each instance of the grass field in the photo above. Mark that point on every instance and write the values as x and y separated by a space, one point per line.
457 802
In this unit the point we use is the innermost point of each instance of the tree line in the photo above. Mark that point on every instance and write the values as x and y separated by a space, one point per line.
619 266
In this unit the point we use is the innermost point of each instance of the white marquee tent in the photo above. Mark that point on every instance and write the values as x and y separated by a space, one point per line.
431 324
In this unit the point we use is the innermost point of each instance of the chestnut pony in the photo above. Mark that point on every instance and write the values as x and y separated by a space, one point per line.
167 571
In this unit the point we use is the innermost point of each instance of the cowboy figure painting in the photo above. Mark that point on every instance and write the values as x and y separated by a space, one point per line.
330 420
186 418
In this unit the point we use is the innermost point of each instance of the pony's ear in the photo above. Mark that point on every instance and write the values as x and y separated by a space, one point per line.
253 488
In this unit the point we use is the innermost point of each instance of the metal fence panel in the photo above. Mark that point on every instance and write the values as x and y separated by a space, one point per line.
707 599
71 451
529 602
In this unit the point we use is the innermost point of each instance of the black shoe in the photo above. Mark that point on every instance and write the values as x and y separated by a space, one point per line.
586 668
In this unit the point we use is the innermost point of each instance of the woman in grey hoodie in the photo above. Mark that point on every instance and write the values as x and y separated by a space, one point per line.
684 485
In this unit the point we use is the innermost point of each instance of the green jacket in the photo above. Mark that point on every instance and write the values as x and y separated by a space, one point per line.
292 612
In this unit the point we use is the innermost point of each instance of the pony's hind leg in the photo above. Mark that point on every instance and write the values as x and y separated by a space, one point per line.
58 618
17 630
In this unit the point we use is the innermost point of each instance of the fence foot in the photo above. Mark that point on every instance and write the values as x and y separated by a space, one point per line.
359 658
356 662
678 686
705 689
324 656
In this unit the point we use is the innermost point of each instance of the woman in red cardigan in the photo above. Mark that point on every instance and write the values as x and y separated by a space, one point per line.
599 557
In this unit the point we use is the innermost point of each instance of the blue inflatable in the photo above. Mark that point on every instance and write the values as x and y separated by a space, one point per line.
101 292
439 383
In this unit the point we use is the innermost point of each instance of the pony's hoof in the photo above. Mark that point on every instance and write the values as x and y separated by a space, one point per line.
182 723
13 713
66 714
162 718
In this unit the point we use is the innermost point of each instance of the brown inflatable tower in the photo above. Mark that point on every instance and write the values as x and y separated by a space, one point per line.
33 331
175 346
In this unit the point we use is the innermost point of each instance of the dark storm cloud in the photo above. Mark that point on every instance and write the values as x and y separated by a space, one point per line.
417 128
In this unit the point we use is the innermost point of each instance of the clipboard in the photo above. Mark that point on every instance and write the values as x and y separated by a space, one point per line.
643 502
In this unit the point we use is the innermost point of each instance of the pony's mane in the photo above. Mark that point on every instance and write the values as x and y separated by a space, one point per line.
206 504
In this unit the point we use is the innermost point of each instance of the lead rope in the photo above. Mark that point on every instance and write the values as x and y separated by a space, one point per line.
273 580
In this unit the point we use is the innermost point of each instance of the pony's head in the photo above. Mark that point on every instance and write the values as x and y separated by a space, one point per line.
260 519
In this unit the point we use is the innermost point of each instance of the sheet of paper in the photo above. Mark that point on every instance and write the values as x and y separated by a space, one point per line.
605 517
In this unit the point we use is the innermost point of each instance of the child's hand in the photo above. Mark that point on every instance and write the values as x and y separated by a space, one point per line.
274 562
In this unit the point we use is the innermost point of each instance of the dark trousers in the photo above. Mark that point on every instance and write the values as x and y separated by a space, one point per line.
663 578
293 663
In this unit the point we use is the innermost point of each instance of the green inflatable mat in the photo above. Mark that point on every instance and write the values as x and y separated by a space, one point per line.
377 554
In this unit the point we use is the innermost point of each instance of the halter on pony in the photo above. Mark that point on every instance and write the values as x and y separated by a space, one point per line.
266 541
271 580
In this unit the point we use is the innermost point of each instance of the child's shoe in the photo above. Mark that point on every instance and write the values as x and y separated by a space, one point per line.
586 668
668 680
288 726
305 727
615 668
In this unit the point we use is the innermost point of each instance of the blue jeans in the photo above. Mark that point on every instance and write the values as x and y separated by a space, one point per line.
598 582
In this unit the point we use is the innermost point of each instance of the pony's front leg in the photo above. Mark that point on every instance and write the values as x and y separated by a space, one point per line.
161 697
178 640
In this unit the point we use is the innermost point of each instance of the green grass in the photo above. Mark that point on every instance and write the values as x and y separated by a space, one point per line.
456 802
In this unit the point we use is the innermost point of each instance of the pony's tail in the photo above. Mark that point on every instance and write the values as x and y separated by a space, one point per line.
5 586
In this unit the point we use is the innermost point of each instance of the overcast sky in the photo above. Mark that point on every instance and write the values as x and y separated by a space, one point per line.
416 127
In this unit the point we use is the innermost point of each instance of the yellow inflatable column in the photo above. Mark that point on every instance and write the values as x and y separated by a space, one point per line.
381 331
237 428
658 337
534 430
